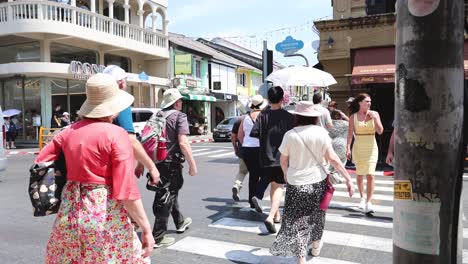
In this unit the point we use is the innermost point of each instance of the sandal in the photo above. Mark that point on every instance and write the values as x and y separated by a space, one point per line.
270 227
277 221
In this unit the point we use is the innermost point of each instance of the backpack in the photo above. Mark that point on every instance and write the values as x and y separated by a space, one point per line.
153 136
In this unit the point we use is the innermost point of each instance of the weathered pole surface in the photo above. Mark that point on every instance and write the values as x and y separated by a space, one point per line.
429 124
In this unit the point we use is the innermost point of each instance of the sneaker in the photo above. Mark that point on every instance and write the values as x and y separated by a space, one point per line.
165 242
362 204
369 208
235 193
185 225
257 206
316 248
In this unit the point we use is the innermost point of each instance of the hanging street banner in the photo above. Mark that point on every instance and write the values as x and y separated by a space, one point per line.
183 64
289 45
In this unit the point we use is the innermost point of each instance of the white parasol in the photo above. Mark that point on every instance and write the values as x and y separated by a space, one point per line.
11 112
301 76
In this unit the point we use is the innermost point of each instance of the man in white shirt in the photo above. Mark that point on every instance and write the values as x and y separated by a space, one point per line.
325 120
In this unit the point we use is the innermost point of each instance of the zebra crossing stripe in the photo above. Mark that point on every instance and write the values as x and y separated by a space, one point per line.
239 252
222 155
198 150
376 188
368 221
350 205
383 182
207 153
381 197
330 237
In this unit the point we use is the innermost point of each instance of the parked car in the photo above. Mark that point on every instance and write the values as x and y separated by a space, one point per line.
222 132
2 147
140 116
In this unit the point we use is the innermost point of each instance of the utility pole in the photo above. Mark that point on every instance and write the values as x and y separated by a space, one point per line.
428 125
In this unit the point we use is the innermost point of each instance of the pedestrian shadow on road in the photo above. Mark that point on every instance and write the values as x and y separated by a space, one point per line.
258 256
230 208
225 160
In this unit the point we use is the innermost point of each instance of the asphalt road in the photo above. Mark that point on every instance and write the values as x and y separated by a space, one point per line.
223 231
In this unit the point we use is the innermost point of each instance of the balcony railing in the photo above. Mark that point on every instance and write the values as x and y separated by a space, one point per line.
55 12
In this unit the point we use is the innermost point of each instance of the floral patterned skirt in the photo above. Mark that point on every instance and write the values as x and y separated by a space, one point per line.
92 228
303 220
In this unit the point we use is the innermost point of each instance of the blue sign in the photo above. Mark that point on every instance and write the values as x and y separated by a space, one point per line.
289 45
143 76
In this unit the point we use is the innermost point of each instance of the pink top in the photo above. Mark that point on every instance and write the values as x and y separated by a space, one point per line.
96 152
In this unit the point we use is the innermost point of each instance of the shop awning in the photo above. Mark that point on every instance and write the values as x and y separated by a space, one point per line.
374 65
377 65
197 97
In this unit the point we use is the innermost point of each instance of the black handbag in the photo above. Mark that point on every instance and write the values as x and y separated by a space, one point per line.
45 186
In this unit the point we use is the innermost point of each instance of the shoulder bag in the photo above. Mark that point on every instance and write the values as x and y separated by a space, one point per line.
328 195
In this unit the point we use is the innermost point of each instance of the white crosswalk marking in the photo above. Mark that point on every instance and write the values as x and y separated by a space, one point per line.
331 237
222 155
376 188
199 150
346 205
239 252
208 152
375 196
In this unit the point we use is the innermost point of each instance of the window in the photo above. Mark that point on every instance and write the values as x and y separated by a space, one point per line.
241 79
122 62
25 52
60 53
198 69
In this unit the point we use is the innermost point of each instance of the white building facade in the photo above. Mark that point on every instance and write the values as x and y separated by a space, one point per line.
48 49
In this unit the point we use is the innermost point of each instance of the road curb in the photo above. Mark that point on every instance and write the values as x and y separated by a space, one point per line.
194 141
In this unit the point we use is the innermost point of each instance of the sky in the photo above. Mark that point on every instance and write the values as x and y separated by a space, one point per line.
249 22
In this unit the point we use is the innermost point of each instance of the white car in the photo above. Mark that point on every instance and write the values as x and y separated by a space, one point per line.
2 147
140 116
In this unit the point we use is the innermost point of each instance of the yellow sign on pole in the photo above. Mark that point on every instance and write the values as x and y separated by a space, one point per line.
402 190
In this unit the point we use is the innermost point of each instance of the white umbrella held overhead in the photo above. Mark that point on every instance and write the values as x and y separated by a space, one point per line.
301 76
11 112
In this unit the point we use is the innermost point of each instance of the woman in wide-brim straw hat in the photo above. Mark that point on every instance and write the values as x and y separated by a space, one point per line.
305 151
92 224
251 147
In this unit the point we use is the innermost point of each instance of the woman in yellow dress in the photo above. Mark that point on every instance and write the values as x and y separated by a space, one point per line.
364 123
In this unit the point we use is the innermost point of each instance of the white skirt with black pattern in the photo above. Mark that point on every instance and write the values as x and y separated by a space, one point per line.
303 220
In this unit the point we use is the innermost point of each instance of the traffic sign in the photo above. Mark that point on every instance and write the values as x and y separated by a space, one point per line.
289 45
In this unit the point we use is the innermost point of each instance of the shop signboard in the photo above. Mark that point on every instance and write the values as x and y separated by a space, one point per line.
183 64
289 45
143 76
191 83
84 70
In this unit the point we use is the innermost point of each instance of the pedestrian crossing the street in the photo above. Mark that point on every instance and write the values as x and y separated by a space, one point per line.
350 236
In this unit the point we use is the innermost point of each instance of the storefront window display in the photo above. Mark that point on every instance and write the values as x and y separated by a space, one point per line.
197 116
69 94
23 94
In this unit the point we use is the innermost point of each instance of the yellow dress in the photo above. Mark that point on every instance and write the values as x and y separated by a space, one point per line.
365 150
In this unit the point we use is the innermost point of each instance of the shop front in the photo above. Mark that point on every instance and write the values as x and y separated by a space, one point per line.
37 89
224 107
198 109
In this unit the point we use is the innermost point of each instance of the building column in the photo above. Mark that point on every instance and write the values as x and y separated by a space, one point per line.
111 8
127 10
154 16
101 57
45 50
165 24
101 7
93 6
73 12
140 14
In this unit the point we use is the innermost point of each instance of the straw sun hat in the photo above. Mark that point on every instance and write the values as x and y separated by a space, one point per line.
305 108
103 97
258 101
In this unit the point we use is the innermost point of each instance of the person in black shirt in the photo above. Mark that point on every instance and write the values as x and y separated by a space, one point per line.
243 171
270 128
